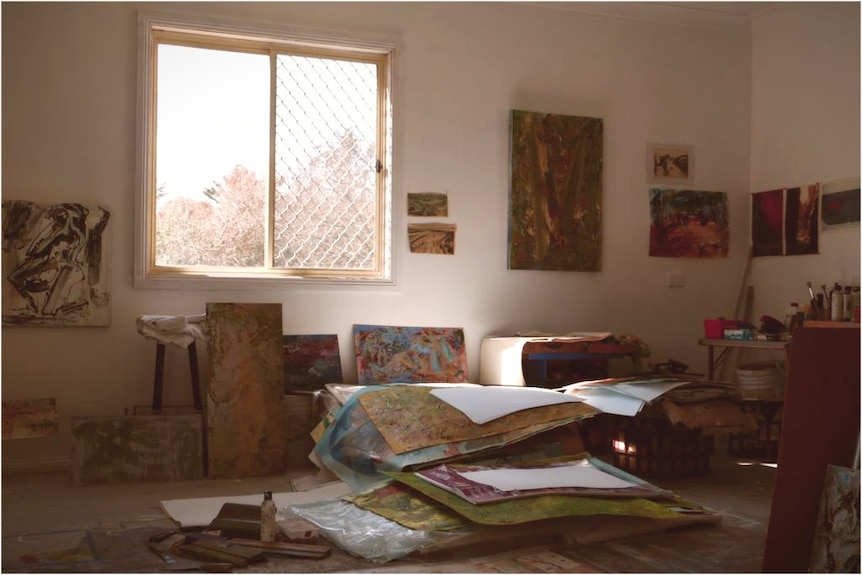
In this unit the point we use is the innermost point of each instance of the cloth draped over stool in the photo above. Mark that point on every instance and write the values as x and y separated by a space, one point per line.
179 330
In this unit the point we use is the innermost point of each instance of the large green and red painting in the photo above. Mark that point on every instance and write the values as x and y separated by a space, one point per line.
555 195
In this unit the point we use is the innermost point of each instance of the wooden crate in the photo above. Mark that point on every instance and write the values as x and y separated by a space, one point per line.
652 447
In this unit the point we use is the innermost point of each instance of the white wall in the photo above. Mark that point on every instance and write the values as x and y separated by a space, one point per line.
68 134
805 129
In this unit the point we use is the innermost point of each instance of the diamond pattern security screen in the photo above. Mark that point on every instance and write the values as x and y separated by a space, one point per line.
326 163
265 157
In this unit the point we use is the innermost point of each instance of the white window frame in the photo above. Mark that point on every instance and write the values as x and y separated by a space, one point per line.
146 273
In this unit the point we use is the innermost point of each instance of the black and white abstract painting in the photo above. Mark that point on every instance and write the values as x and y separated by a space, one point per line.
55 264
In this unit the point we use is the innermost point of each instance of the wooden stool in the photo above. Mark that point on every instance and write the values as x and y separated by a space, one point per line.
158 384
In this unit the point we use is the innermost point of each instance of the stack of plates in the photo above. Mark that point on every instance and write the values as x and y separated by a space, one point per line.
763 380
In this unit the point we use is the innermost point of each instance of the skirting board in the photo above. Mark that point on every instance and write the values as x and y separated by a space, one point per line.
52 465
199 512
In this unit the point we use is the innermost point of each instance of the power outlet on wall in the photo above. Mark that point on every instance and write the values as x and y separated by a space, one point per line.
676 280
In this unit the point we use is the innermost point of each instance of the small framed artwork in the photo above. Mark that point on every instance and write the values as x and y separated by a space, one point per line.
670 164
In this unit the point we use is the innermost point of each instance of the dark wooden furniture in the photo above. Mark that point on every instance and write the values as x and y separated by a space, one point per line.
548 363
820 427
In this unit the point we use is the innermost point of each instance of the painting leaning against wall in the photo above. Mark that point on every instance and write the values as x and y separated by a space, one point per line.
555 196
55 264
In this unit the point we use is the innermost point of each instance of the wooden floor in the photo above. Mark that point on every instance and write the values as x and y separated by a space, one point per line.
50 525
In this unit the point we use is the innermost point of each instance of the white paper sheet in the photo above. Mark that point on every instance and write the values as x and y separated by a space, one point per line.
581 474
487 403
647 391
608 401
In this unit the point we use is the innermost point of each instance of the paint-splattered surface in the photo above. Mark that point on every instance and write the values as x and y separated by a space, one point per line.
310 362
246 427
389 354
121 449
23 418
55 264
836 538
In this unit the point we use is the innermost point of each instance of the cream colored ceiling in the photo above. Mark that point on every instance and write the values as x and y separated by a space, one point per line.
716 15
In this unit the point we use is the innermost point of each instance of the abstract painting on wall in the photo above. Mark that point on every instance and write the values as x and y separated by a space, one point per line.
433 238
390 354
310 362
428 204
55 264
555 194
839 203
802 220
670 164
786 221
688 224
767 223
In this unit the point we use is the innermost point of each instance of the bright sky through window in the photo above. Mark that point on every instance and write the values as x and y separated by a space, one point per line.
213 110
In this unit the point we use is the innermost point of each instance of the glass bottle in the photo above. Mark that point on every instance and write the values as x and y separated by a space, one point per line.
268 527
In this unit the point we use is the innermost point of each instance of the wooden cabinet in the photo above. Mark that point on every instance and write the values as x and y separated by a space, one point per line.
820 427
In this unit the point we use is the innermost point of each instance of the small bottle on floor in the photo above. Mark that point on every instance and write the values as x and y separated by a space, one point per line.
268 527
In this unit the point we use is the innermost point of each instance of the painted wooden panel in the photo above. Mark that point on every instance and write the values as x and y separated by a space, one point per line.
23 418
246 427
395 354
820 427
836 537
137 448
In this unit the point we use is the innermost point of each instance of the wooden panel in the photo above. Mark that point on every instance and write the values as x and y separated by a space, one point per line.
820 428
23 418
134 448
246 428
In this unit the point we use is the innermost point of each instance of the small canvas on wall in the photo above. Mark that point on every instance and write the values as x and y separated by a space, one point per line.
670 164
767 223
840 203
55 264
688 224
555 194
801 220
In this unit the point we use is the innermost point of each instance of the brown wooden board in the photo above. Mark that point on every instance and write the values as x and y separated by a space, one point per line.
820 428
246 427
136 448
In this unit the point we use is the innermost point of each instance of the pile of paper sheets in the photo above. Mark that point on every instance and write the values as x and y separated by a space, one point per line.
449 459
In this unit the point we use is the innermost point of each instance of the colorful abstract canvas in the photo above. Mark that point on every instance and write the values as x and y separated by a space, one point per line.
555 194
389 354
786 221
767 223
688 224
802 220
428 204
839 203
55 264
310 362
